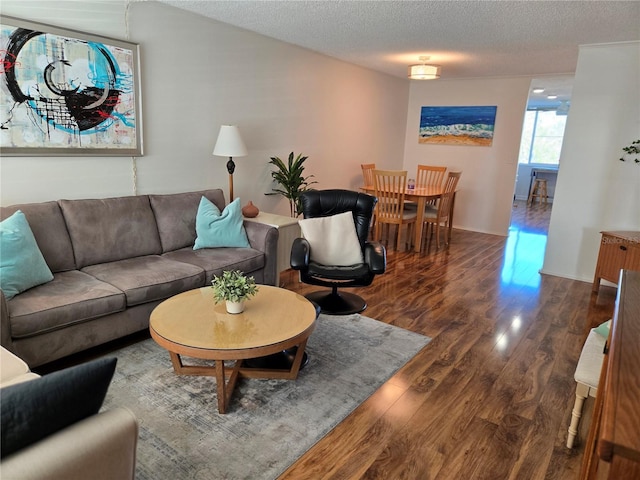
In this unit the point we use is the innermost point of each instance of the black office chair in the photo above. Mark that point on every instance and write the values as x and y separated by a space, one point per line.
324 203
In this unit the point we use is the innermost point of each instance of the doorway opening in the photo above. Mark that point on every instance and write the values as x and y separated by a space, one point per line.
541 143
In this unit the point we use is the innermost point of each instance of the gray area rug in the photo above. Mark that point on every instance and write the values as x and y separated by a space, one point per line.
270 423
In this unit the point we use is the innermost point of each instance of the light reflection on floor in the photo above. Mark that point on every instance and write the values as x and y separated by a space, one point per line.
523 256
524 251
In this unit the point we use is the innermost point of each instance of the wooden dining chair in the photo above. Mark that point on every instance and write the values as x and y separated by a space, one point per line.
429 175
390 188
437 215
367 178
367 173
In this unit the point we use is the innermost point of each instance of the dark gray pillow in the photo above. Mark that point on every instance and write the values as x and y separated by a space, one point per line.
38 408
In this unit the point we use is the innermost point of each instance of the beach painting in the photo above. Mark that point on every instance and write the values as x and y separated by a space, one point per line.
457 125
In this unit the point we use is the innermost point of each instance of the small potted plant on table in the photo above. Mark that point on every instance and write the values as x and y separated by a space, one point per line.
234 288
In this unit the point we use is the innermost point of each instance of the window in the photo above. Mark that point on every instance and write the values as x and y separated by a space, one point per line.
542 135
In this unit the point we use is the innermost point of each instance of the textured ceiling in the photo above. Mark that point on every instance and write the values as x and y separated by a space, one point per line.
467 38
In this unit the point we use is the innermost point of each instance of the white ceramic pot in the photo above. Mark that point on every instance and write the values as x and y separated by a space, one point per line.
235 307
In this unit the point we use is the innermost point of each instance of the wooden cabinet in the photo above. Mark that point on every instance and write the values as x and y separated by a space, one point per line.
618 250
613 445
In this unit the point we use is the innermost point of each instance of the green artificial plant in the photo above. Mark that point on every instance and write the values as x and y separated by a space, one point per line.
234 286
291 180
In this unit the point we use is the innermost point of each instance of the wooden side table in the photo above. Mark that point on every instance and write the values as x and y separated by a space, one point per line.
288 230
618 250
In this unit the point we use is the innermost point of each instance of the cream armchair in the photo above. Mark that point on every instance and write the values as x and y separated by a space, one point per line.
100 447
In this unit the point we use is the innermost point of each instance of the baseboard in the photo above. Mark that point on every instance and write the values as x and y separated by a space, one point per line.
563 275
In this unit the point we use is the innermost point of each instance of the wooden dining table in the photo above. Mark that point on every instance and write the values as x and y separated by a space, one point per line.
420 196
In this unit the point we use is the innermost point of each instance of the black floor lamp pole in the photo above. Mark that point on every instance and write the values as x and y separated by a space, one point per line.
231 168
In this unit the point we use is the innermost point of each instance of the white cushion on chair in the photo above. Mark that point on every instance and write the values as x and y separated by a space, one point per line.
590 362
333 239
430 211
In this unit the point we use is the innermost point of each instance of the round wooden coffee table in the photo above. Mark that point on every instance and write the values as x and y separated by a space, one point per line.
193 325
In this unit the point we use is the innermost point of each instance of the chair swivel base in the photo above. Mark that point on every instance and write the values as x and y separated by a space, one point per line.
342 303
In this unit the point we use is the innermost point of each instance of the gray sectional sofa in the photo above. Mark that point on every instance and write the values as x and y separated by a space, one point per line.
113 261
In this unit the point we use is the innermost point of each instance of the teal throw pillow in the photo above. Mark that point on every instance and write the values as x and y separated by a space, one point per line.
603 329
215 229
22 265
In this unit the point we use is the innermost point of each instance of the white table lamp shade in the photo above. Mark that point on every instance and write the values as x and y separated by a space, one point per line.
229 143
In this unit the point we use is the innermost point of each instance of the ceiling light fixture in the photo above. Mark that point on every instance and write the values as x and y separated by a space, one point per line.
422 71
538 90
552 97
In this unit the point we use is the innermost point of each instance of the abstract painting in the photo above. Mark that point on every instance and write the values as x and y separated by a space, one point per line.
457 125
64 92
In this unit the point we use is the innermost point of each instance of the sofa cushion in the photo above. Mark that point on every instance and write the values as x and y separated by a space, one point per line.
22 265
70 298
176 216
50 231
111 229
34 410
215 229
145 279
214 260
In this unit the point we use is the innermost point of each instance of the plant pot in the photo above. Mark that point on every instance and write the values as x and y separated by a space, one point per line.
235 307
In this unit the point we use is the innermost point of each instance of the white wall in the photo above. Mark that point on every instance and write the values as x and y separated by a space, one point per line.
595 191
485 190
198 74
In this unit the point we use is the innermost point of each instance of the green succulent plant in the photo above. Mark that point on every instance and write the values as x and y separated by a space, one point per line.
233 285
290 177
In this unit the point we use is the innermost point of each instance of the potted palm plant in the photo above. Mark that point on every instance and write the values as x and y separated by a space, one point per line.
233 287
290 177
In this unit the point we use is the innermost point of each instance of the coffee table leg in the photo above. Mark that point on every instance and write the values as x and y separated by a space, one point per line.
297 361
290 373
222 387
176 362
225 388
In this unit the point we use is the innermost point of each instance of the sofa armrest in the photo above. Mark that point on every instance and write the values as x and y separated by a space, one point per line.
5 326
264 238
13 369
101 447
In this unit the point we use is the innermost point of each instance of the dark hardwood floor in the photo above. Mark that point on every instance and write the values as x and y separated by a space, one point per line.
491 395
